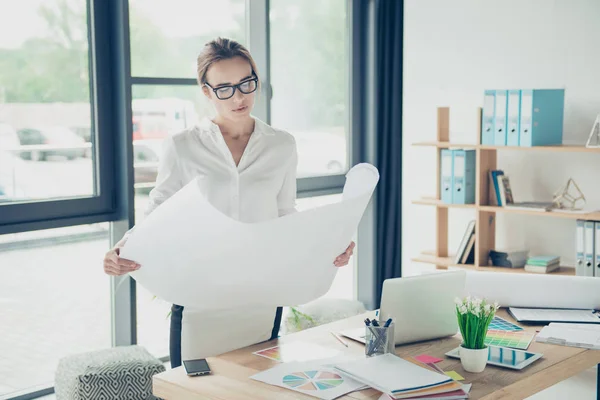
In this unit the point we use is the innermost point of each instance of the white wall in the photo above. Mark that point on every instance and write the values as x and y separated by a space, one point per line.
453 50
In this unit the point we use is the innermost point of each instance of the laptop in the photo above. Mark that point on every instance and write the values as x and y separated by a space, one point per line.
422 307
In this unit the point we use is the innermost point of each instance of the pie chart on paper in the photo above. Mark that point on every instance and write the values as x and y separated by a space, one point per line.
313 380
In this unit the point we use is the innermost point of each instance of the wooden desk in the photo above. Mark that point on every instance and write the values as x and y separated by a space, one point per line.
231 371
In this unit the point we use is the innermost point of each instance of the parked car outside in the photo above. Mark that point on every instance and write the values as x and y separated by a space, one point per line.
70 144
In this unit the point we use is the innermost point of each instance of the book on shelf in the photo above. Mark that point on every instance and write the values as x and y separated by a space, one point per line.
509 258
501 194
542 269
466 244
543 260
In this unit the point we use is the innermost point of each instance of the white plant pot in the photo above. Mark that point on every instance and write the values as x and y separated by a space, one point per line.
473 360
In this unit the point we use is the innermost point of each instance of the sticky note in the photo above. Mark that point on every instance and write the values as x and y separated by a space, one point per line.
425 359
454 375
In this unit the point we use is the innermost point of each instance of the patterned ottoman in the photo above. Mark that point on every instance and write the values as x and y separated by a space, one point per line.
119 373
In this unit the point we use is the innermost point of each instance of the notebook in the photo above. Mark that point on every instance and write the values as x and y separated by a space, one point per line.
395 376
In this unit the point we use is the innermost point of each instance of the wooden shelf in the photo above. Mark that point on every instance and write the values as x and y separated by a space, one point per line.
430 201
485 221
566 271
441 261
556 214
565 148
445 145
448 262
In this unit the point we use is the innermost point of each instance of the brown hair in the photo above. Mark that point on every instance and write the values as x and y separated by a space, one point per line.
221 49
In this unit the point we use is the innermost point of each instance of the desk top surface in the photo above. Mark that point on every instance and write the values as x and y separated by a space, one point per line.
231 371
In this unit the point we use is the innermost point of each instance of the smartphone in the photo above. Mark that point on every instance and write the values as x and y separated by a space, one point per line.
196 367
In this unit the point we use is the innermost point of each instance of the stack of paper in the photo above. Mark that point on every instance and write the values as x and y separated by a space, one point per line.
400 379
574 335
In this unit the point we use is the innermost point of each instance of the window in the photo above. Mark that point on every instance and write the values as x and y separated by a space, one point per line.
309 76
48 143
54 301
166 36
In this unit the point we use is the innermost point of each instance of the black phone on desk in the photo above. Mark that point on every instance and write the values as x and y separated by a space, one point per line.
196 367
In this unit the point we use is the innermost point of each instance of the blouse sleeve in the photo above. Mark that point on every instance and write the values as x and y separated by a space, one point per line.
168 180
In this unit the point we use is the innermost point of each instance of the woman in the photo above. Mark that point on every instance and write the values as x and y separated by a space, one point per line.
247 171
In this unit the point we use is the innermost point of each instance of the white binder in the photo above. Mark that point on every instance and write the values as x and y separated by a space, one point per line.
589 248
580 255
597 251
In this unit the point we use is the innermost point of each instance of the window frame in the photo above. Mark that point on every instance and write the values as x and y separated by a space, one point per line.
55 213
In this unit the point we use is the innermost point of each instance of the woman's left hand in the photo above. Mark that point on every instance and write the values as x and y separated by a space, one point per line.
343 258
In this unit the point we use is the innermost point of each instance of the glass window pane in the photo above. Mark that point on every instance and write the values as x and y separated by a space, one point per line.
45 121
157 111
310 83
54 302
167 36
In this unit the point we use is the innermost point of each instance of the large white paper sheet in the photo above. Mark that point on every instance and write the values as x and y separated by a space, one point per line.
534 290
193 255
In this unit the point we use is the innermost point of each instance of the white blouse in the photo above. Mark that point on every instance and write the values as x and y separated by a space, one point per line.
261 187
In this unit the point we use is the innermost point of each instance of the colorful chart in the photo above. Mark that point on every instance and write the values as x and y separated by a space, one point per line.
514 339
313 380
500 324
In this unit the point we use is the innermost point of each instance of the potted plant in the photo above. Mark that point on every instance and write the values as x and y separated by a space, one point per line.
474 317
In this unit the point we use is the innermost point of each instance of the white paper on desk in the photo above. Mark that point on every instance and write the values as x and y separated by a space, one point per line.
545 315
534 290
315 378
193 255
567 336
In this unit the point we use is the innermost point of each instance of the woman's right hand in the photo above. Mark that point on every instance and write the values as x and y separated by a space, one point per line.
115 265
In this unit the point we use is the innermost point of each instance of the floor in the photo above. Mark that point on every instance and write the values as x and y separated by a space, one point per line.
580 387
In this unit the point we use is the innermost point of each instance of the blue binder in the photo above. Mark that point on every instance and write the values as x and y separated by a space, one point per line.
447 172
500 118
542 117
513 117
464 177
487 118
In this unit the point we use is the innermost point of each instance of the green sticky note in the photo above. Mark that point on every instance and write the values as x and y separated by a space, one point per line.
454 375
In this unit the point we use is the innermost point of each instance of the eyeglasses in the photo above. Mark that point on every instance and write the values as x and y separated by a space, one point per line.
227 92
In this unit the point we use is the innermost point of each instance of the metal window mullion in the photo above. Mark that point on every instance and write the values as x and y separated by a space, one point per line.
123 293
258 39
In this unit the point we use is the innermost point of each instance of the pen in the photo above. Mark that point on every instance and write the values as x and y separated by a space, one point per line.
339 339
367 322
375 323
388 322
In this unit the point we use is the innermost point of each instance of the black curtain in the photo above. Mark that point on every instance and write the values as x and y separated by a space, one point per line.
388 102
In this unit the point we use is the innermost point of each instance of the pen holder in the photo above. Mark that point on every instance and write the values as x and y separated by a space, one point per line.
379 340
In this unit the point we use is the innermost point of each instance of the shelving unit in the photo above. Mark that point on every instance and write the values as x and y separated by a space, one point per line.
485 220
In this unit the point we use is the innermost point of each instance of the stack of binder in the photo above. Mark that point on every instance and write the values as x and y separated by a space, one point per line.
523 117
588 248
458 176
